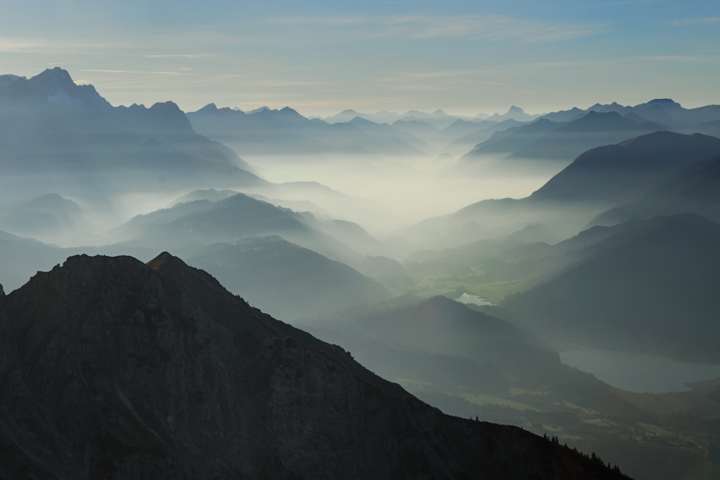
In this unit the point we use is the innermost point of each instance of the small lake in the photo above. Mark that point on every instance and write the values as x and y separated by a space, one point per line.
639 372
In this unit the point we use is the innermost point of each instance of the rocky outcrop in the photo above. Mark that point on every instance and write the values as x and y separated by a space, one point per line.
112 368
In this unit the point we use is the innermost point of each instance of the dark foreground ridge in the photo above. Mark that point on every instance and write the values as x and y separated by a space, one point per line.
114 369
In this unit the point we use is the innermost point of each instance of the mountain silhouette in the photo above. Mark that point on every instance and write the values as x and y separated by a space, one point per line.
284 279
663 111
614 173
695 189
545 138
599 179
239 216
513 113
644 286
128 370
285 131
49 214
49 125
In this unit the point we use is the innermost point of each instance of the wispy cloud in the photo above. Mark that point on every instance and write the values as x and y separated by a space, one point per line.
47 45
687 22
442 77
13 45
419 27
133 72
179 56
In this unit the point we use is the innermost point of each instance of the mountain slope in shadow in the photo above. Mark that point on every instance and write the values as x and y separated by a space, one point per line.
284 279
646 286
118 369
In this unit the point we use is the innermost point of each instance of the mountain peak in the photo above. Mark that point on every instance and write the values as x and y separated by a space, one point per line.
515 109
166 260
54 86
209 108
663 103
167 374
166 107
56 76
289 111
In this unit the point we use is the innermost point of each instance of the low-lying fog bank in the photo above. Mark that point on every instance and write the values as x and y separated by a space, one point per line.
394 192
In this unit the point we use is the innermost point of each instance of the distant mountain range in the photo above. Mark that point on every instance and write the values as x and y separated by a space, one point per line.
437 119
284 279
205 222
441 327
471 362
188 227
463 133
645 286
599 179
514 113
695 189
267 131
129 370
663 111
239 238
545 138
50 126
615 173
47 215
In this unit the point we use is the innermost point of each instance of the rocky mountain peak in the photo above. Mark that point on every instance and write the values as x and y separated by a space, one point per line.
130 370
56 77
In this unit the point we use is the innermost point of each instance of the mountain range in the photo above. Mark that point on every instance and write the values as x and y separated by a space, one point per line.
613 174
544 138
663 111
645 286
597 180
205 222
130 370
284 279
47 215
473 363
50 126
268 131
437 119
695 189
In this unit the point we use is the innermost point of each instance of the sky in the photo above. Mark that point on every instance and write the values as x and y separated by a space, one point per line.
465 57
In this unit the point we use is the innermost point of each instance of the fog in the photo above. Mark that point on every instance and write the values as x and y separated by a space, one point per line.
390 193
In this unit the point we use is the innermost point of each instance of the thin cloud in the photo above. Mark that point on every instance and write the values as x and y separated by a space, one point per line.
184 56
421 27
133 72
687 22
43 45
14 45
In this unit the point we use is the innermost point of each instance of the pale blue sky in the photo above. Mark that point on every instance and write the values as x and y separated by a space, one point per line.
323 56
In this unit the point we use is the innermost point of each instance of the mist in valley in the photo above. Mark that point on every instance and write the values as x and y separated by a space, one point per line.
390 193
